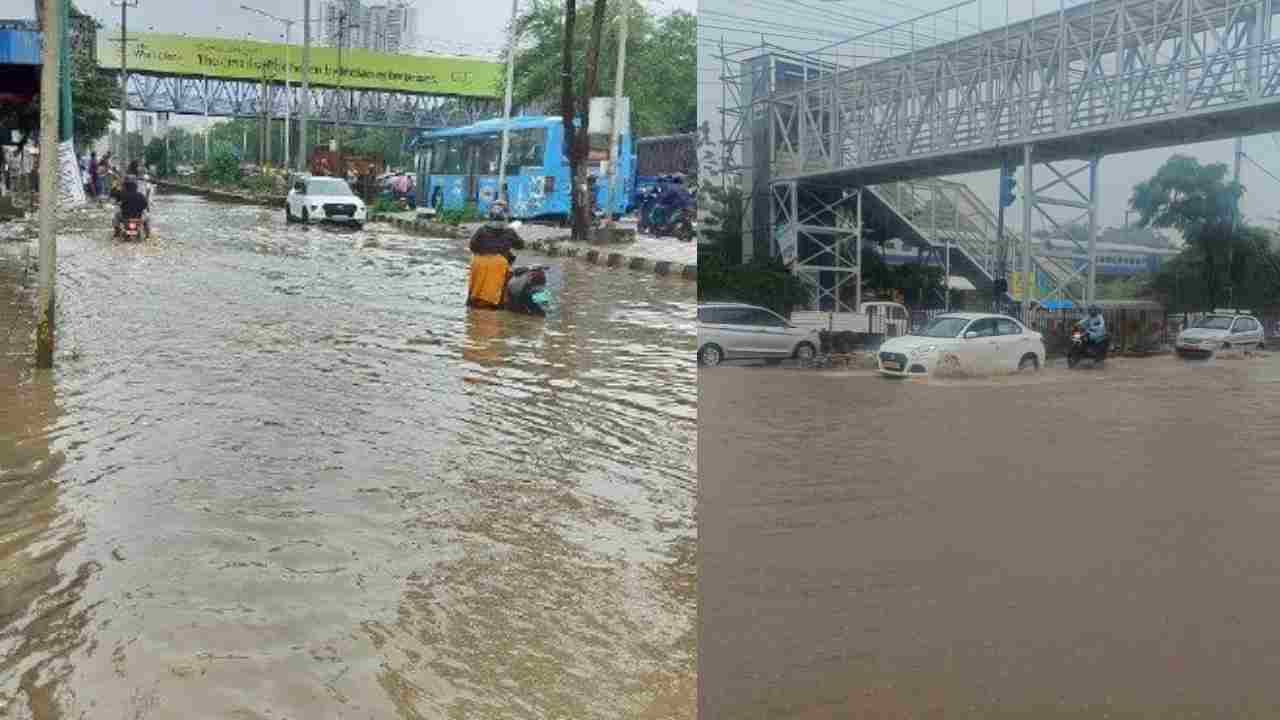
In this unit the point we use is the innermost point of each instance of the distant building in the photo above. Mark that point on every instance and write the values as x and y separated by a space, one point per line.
383 27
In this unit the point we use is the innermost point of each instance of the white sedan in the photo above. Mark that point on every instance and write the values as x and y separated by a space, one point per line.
974 342
324 198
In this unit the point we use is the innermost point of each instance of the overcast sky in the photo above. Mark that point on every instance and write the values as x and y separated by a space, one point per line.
471 27
805 25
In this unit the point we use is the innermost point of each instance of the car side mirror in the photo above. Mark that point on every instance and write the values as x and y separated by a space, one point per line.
970 335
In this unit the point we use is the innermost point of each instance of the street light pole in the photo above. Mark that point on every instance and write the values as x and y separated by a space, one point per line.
616 125
506 112
303 138
288 97
124 78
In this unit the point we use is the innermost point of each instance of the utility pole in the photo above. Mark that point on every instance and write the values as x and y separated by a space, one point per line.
1235 225
615 125
50 96
288 96
303 137
124 79
506 107
337 104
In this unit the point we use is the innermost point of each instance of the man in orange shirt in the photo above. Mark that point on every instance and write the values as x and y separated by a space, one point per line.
491 259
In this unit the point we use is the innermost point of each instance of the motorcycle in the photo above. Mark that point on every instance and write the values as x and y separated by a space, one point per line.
527 290
132 230
680 224
1081 349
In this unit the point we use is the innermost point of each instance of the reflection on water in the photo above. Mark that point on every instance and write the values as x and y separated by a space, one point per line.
1073 544
289 475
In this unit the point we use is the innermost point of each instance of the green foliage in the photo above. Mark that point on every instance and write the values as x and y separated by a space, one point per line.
455 216
384 204
1255 271
1200 202
1123 288
261 185
766 283
224 165
158 157
661 63
93 94
726 211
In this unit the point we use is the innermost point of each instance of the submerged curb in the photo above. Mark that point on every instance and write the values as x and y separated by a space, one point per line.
217 194
553 248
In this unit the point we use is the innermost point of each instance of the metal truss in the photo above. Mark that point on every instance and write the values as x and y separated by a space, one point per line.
820 237
893 106
1114 75
247 99
1066 199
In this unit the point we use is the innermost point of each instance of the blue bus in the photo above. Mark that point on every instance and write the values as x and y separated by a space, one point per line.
459 167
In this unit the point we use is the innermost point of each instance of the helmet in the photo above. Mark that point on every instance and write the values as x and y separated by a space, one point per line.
498 210
1094 309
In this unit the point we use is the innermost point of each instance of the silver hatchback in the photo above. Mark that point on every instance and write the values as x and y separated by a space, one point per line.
733 331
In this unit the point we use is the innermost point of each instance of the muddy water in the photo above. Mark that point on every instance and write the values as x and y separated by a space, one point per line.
1080 544
281 472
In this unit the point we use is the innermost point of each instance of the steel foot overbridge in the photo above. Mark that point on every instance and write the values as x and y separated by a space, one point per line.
883 114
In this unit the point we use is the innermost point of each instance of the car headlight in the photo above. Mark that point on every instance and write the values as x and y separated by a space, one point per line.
921 351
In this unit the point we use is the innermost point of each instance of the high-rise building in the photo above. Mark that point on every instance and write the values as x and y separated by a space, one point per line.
343 22
385 27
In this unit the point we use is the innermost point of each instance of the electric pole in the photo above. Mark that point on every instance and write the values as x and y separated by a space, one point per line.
303 137
50 96
124 79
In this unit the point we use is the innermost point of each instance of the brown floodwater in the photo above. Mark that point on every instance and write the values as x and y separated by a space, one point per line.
1078 544
282 472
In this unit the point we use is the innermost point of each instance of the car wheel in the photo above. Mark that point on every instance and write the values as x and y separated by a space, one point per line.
1262 346
288 214
1029 363
710 355
306 216
359 225
805 352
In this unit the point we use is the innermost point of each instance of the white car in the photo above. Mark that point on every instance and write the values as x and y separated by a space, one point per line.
1221 331
324 198
732 331
977 342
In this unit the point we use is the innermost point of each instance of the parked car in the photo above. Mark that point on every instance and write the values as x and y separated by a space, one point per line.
324 198
980 342
733 331
1221 331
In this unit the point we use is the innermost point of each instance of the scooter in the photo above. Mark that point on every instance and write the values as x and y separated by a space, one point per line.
1081 349
527 290
679 224
132 230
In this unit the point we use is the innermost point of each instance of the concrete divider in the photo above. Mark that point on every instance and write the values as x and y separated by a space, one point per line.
552 248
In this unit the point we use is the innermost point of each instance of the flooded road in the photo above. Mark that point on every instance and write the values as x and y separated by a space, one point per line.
1082 544
281 472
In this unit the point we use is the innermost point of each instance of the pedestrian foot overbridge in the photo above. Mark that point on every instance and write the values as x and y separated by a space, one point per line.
1050 95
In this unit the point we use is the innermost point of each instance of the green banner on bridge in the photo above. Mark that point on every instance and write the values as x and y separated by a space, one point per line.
249 60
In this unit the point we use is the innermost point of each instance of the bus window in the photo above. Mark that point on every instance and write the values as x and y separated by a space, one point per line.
454 160
439 152
490 152
526 149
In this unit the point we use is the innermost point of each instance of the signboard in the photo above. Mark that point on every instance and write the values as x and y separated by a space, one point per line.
1017 283
250 60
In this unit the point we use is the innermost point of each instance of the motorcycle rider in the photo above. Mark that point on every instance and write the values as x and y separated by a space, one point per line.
491 260
675 197
1095 327
133 206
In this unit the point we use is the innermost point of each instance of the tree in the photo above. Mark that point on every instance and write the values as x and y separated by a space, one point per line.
661 63
1201 203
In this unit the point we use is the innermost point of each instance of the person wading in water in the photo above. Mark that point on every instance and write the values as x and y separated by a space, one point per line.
491 259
